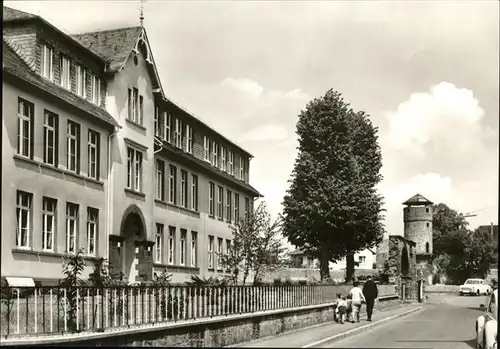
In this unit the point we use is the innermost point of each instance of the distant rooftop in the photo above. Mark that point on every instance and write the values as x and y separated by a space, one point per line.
417 200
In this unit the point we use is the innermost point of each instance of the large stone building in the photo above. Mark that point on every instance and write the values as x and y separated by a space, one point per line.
96 157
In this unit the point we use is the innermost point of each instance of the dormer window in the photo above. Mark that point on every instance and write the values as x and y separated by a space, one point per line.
47 65
64 72
189 139
215 159
230 162
206 148
223 152
167 120
178 133
242 168
95 86
80 81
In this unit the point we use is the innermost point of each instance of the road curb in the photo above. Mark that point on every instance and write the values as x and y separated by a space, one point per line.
361 328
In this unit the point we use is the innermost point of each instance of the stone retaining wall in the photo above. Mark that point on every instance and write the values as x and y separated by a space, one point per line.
223 331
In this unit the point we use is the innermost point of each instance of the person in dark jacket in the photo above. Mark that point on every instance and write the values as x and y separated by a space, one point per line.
370 291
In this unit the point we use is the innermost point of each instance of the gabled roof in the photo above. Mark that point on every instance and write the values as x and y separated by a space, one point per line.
16 67
10 14
113 45
417 200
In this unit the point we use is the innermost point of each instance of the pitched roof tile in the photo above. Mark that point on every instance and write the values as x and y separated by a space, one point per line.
14 65
10 14
113 45
417 199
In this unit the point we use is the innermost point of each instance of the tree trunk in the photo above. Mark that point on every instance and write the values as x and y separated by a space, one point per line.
324 266
349 268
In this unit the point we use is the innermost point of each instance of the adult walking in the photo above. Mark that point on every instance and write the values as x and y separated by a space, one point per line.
357 298
370 291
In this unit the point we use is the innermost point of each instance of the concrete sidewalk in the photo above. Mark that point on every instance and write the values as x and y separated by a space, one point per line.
315 335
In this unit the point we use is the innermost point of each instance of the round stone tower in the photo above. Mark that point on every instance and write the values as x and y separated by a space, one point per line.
417 218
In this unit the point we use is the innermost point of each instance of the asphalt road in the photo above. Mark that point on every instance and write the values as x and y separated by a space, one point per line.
447 321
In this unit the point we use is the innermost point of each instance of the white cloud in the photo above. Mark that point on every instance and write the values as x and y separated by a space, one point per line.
446 119
269 132
245 85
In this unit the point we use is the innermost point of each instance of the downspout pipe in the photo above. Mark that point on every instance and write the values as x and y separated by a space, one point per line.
109 192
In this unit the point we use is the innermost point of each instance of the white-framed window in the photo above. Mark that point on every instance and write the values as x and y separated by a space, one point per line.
159 243
228 247
194 192
50 138
93 149
171 245
220 203
189 139
184 188
141 110
206 148
134 169
168 131
92 230
81 77
71 227
178 133
211 198
210 252
64 72
247 208
95 86
230 163
194 236
23 213
135 105
172 185
73 146
138 171
183 246
25 120
215 154
223 153
160 180
48 223
229 208
46 63
362 259
159 123
236 207
242 168
220 243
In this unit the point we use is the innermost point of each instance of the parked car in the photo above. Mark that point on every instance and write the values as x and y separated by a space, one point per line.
486 324
474 287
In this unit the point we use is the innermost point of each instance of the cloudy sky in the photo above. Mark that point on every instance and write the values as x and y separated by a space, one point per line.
427 73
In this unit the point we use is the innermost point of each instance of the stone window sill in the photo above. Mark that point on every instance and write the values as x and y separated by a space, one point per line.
23 250
180 208
57 169
135 124
135 192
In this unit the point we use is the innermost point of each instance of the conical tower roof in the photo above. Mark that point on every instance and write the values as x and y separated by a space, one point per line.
417 199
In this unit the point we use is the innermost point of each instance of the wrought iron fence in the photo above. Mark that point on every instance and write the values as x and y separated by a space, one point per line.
33 311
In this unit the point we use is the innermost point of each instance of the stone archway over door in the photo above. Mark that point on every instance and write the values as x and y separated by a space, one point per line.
131 250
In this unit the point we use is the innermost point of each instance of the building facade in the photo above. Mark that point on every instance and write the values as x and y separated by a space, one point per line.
97 158
366 260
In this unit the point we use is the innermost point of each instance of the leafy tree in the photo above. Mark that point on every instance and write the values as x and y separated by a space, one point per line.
459 253
256 246
332 209
73 266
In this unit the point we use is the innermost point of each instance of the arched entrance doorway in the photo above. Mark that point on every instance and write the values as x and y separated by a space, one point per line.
131 252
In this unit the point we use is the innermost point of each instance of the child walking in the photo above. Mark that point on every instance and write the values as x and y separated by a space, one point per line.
341 308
